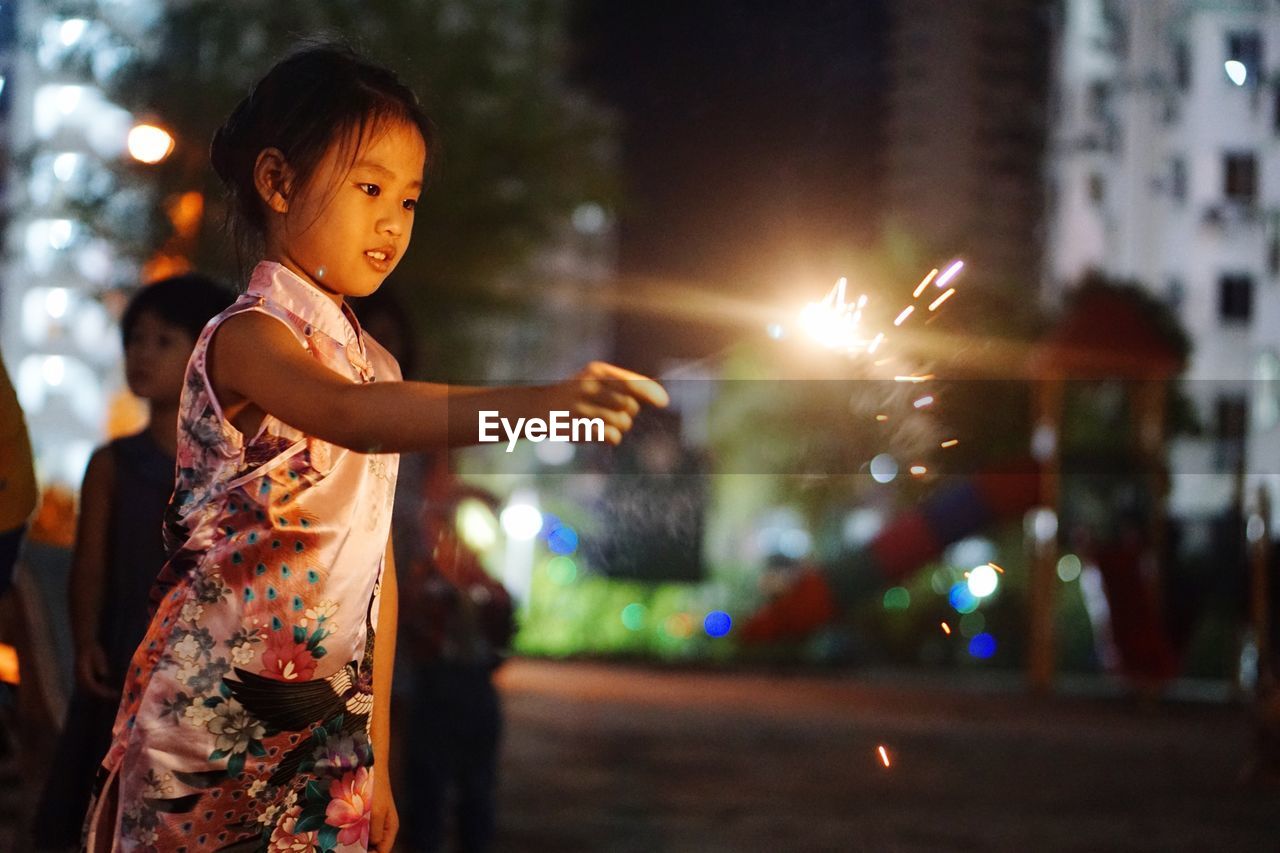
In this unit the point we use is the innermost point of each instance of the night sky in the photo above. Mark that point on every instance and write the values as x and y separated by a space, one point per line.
750 140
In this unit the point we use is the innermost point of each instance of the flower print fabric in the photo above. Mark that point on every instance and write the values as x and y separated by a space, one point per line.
244 723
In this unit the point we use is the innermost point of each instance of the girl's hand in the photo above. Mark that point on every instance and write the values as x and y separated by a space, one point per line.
384 820
605 391
92 673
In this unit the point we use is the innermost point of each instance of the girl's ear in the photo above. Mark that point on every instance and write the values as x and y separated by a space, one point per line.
273 179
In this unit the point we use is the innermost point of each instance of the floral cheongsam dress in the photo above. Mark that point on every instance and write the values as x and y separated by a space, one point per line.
244 723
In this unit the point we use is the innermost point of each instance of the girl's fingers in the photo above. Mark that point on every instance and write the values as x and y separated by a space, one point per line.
618 420
629 382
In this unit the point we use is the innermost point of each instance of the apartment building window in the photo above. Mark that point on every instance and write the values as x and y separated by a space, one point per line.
1175 294
1235 298
1231 427
1240 177
1178 179
1097 188
1182 66
1273 244
1245 47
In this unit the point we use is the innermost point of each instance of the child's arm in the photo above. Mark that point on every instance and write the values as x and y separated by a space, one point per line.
385 820
89 574
255 359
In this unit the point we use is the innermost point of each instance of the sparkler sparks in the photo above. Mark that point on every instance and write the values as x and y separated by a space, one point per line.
946 629
933 306
952 272
997 568
884 755
923 284
923 402
919 470
837 324
906 312
951 442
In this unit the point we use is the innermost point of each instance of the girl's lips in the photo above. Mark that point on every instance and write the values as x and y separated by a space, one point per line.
380 266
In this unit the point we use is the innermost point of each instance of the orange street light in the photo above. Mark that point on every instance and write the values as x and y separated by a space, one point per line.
150 144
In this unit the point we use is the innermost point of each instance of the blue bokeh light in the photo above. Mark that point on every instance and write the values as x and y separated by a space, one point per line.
717 623
982 646
562 539
962 599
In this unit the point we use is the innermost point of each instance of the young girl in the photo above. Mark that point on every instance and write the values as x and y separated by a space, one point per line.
255 710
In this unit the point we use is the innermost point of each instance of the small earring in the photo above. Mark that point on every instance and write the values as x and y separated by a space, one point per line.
320 272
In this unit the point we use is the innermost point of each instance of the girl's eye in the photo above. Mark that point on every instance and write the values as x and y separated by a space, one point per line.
370 189
410 204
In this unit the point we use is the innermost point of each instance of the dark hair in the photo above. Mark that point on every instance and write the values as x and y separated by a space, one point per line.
310 99
188 301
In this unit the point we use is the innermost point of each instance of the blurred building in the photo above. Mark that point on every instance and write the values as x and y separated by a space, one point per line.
1164 169
965 139
65 144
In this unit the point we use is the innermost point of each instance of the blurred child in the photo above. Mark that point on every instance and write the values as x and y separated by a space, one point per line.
118 547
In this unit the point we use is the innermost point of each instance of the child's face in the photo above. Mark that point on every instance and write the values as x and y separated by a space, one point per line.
351 225
155 358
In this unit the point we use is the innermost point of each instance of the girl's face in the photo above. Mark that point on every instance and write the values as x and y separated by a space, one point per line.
155 358
349 227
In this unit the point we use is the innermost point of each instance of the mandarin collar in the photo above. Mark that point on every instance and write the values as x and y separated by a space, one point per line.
274 281
286 288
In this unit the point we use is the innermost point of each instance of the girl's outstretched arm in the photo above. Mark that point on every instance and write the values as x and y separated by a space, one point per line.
384 820
256 365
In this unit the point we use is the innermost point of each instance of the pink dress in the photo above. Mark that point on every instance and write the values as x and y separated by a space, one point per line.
244 723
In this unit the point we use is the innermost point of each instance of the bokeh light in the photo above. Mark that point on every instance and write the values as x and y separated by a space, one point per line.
1069 568
983 581
476 524
982 646
149 144
562 539
679 625
972 624
717 623
884 468
634 615
962 599
521 521
897 598
562 570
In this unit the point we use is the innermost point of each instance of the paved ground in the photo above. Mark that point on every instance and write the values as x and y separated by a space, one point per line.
624 759
618 759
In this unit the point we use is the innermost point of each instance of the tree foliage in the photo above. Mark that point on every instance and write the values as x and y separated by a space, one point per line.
521 148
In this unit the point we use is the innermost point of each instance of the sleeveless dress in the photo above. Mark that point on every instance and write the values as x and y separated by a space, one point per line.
244 722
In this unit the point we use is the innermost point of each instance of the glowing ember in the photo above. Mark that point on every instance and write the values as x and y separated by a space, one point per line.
933 306
951 273
951 442
906 312
884 756
882 418
923 284
997 568
925 378
946 629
